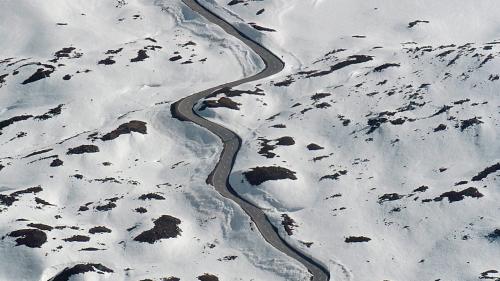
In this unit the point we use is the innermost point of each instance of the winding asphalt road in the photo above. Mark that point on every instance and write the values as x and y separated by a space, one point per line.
219 178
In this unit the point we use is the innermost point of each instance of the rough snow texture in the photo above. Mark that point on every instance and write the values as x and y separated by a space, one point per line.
90 157
403 98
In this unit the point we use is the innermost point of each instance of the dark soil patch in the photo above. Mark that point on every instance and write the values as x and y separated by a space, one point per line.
259 175
33 238
86 148
99 229
454 196
68 272
127 128
357 239
165 227
484 173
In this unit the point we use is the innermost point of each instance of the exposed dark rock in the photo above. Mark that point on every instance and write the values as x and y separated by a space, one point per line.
454 196
150 196
494 235
259 175
422 188
262 28
41 226
68 272
318 96
357 239
389 197
51 113
413 23
106 207
38 152
313 146
356 59
288 223
10 121
40 73
221 102
107 61
77 238
165 227
33 238
141 56
440 127
99 229
171 278
126 128
208 277
464 124
56 163
175 58
484 173
113 52
86 148
141 210
385 66
285 141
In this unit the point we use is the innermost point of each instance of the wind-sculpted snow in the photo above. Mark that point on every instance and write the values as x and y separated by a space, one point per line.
97 180
393 109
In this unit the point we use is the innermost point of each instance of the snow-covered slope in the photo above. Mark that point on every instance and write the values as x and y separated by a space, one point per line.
95 174
384 130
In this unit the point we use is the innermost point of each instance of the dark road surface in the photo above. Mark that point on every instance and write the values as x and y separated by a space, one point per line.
219 178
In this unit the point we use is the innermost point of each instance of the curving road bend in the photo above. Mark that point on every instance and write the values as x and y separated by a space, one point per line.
219 178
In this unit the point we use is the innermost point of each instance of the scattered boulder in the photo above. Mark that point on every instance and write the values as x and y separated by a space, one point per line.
165 227
86 148
68 272
126 128
33 238
259 175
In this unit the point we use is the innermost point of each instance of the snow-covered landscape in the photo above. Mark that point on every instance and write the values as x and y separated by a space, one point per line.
374 152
